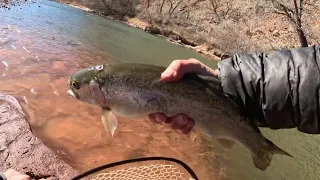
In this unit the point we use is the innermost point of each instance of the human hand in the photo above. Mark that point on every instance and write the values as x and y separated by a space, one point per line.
12 174
178 68
180 121
175 71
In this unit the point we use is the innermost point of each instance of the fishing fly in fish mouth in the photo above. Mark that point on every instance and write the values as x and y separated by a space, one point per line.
135 91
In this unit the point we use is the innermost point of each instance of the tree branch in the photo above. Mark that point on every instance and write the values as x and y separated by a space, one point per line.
161 6
176 6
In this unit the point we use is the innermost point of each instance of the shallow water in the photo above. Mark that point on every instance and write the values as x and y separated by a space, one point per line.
43 43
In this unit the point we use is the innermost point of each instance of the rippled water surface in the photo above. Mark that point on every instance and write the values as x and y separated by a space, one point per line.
43 43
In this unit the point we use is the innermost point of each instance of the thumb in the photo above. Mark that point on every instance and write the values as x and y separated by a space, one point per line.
171 75
176 70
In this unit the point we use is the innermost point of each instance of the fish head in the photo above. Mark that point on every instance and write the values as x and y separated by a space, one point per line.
84 85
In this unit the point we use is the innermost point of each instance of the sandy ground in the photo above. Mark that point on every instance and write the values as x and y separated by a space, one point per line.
24 152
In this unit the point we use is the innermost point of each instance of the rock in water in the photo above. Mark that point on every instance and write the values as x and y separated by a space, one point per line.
21 150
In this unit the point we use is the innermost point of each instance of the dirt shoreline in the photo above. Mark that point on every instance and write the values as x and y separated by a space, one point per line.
171 36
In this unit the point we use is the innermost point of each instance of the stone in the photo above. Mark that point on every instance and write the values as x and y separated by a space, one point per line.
21 150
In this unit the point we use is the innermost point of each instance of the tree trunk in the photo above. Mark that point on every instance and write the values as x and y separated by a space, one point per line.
148 3
302 38
298 16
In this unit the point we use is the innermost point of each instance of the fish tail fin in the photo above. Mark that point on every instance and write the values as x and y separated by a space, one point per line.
276 150
262 160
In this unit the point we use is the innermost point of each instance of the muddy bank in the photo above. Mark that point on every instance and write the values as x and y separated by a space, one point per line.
21 150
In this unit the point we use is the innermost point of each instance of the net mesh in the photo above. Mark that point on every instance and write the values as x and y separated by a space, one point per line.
147 172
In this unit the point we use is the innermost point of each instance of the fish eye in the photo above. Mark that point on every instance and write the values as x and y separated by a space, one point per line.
75 85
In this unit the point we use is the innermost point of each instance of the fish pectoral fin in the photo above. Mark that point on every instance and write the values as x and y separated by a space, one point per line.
109 121
263 160
225 143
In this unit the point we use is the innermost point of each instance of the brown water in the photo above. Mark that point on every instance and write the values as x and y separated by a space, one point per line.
43 43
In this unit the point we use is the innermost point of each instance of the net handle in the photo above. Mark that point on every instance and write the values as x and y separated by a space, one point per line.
191 172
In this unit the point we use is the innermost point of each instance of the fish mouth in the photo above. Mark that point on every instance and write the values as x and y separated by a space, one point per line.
70 91
73 94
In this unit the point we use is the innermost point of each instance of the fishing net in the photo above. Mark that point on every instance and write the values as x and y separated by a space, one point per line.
169 169
155 172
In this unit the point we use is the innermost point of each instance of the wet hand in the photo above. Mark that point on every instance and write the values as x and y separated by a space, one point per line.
176 70
11 174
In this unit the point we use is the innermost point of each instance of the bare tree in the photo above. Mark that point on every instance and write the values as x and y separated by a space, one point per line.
173 7
219 9
119 8
161 7
294 14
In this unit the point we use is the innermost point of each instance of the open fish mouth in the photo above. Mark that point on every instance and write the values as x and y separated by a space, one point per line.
71 93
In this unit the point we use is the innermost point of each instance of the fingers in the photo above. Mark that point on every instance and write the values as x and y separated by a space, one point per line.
188 127
26 177
15 175
158 118
178 68
179 122
175 71
183 123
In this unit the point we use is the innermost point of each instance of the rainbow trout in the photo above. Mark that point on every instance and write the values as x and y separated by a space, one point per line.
136 90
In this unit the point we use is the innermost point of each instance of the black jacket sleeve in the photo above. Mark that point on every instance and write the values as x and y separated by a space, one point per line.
280 88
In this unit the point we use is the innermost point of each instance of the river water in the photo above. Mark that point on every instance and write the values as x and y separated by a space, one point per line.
43 43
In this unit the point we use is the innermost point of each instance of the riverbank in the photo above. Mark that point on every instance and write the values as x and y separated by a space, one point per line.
163 32
215 29
176 38
21 150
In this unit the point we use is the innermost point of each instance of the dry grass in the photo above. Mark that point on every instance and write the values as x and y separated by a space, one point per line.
233 25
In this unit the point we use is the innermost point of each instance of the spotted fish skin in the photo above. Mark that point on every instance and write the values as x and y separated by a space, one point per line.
135 90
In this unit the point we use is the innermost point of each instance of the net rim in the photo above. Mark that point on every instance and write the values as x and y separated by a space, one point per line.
106 166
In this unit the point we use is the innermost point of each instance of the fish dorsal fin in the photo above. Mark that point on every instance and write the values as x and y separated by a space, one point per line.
225 143
109 121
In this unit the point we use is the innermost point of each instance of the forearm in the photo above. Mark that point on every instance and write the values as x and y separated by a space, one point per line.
279 87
